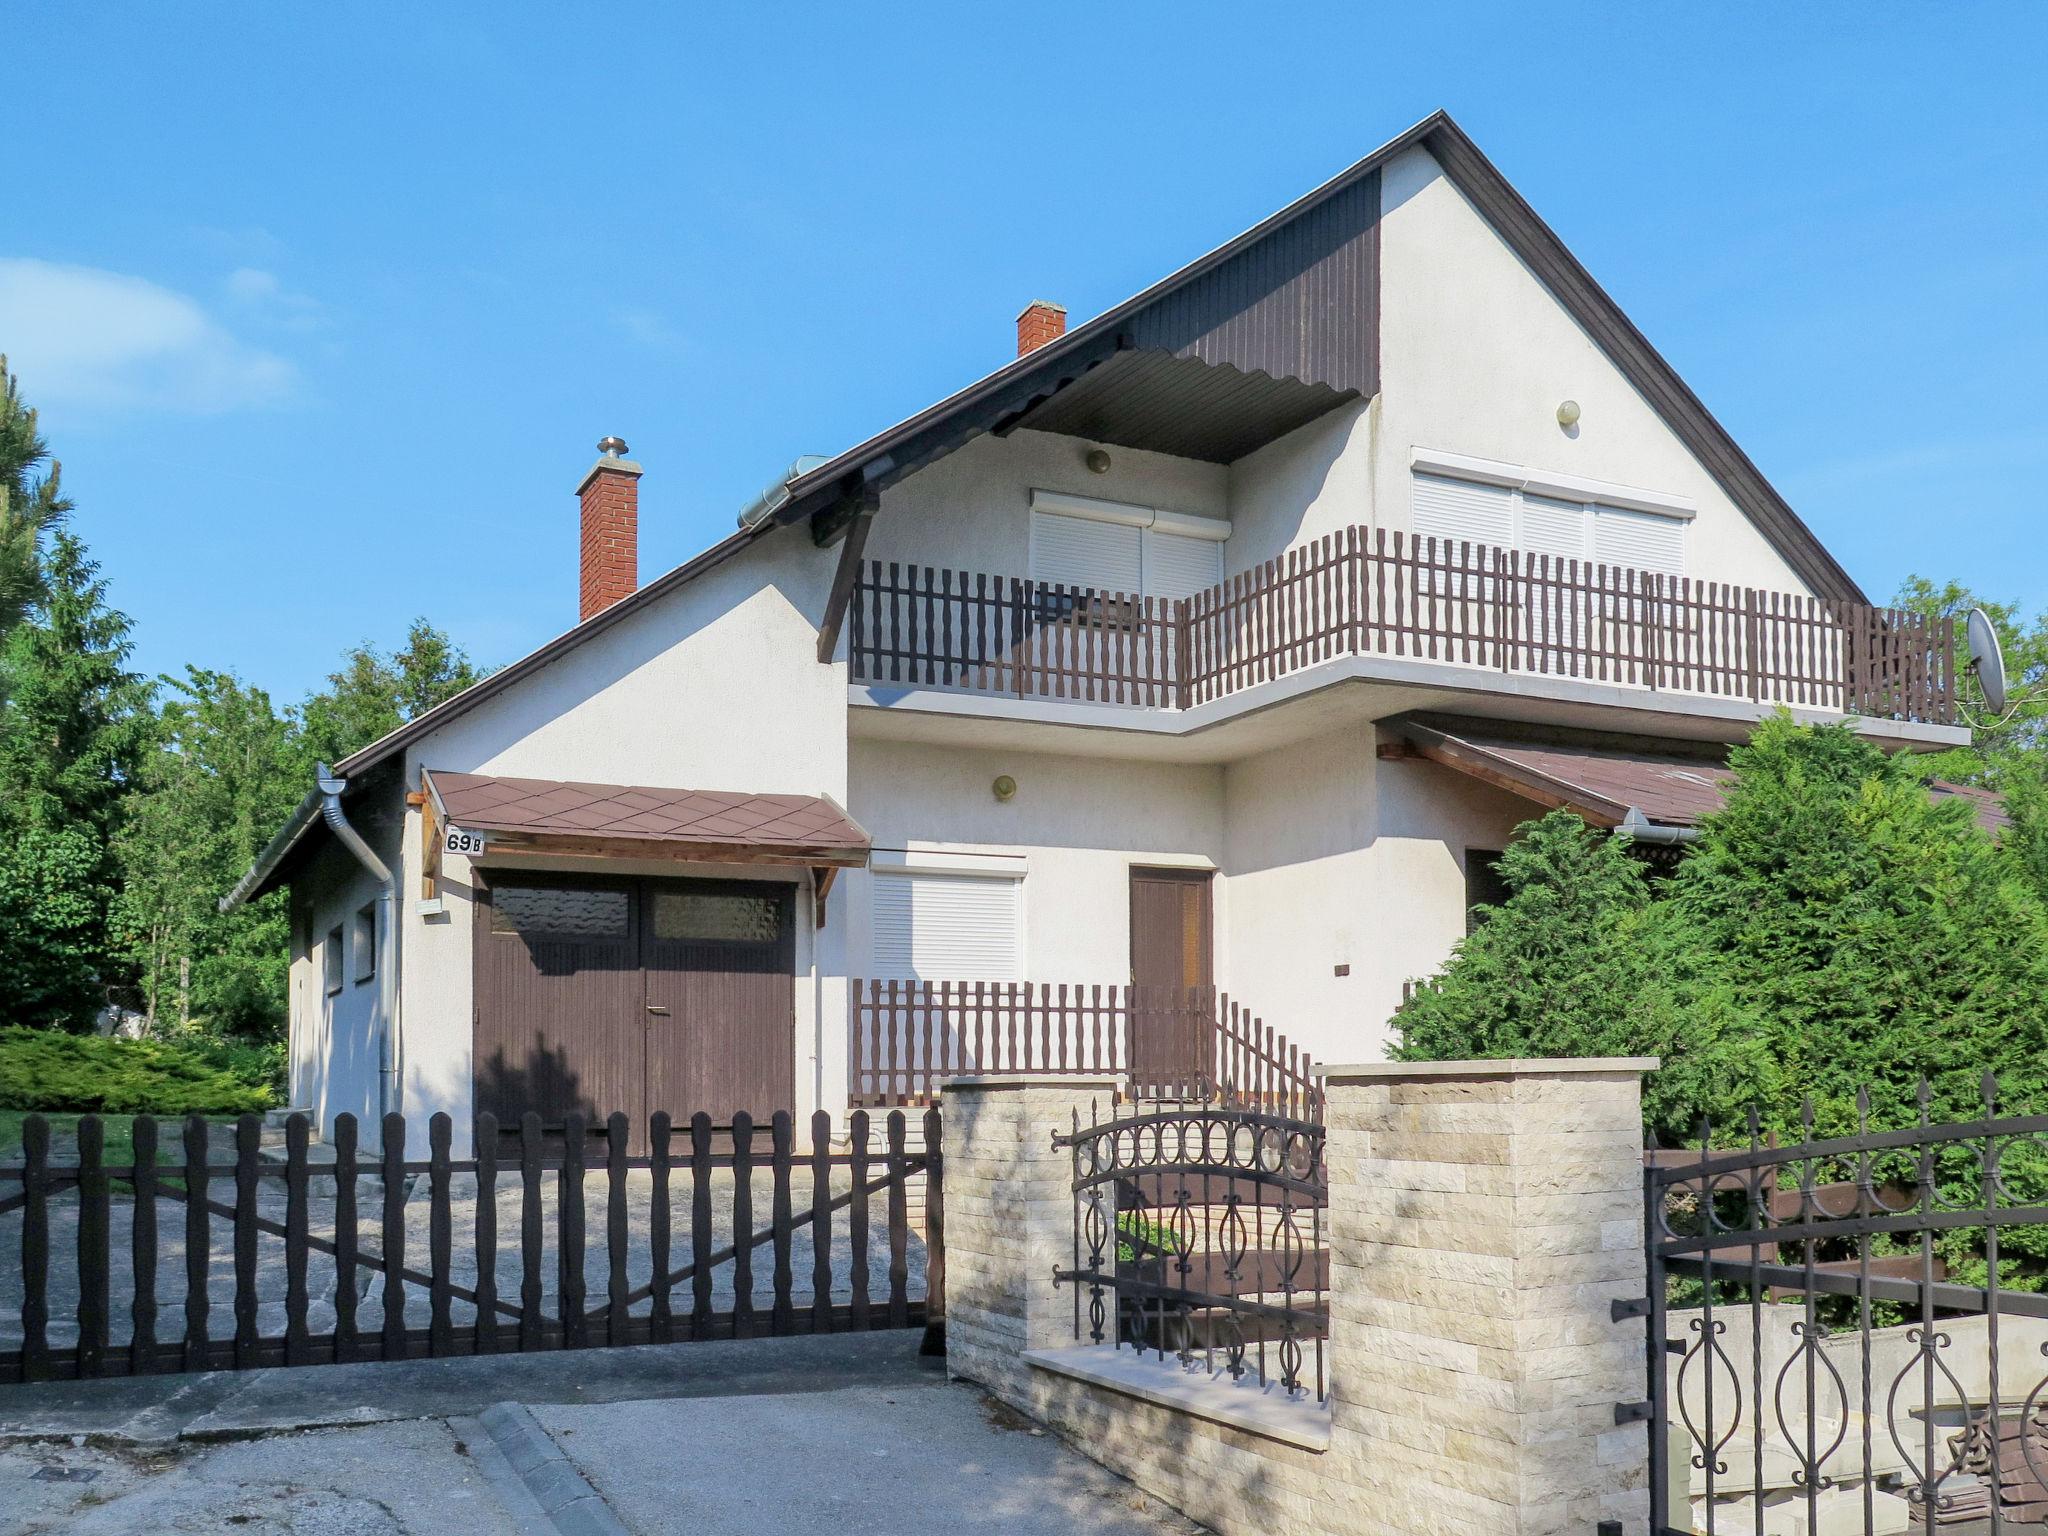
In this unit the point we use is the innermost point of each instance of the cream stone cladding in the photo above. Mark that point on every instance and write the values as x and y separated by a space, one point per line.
714 686
1483 1217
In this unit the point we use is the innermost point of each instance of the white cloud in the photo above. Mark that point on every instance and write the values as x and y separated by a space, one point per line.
82 337
265 298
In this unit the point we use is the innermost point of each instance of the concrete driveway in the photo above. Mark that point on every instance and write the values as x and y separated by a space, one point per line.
840 1433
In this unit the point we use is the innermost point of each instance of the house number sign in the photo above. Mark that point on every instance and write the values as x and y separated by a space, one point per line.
459 840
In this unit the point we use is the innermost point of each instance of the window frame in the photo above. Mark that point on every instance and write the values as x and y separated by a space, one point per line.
363 942
333 966
912 868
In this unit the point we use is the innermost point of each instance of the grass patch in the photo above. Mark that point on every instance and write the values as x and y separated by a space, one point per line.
120 1138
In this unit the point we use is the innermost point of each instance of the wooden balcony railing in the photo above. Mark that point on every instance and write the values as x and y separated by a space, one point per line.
911 1036
1372 592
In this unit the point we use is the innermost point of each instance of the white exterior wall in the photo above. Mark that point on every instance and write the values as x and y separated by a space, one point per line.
333 1037
1334 858
972 509
716 686
1080 823
1475 356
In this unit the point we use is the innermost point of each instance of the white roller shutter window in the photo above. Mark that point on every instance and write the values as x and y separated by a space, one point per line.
1554 528
1464 509
1080 552
1176 566
1639 539
932 927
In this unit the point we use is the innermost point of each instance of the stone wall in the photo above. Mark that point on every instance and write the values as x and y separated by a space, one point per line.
1483 1217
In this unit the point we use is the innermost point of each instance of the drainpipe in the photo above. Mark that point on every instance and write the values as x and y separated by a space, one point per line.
331 788
1640 828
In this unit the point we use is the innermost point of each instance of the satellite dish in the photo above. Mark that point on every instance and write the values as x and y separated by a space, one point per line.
1986 659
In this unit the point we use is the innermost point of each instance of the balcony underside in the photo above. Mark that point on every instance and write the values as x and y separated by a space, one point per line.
1343 692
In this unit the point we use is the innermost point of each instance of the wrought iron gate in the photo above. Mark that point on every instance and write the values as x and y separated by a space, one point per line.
1849 1334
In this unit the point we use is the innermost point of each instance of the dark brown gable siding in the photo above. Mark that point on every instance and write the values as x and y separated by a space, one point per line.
1301 303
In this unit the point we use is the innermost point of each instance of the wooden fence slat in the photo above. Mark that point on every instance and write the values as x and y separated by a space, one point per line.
95 1261
569 1222
142 1356
392 1175
617 1283
660 1320
485 1235
857 1214
743 1221
248 1145
440 1237
899 1223
297 1339
35 1248
934 1237
783 1317
531 1322
347 1345
821 1222
700 1224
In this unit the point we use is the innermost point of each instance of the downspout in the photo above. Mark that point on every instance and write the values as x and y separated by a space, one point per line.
1640 828
331 788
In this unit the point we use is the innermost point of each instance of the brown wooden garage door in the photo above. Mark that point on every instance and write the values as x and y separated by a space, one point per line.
596 994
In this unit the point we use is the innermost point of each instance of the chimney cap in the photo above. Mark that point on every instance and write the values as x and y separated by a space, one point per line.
1045 304
613 447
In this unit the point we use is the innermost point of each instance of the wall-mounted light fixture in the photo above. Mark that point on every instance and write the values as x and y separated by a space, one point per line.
1098 460
1568 413
1005 787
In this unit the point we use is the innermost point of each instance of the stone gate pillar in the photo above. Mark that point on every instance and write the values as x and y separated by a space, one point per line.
1484 1216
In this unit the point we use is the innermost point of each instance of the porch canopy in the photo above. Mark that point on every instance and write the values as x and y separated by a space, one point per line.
637 821
1647 788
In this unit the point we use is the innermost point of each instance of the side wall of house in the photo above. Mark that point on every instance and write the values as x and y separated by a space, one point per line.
716 686
1337 862
333 1034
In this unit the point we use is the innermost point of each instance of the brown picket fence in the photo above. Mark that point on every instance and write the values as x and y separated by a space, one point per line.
599 1248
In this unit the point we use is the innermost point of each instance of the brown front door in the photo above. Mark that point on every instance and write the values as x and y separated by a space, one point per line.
720 957
595 995
1172 969
560 1005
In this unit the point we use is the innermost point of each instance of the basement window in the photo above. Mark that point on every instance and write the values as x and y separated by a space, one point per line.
330 960
366 942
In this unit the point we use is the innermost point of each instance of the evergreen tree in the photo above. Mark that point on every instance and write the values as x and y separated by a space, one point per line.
30 504
72 731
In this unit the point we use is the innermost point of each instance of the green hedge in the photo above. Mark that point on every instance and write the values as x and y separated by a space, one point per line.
45 1070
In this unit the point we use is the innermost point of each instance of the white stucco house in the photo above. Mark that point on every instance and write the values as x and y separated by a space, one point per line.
1216 643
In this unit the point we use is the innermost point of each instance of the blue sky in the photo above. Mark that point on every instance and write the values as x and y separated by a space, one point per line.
326 307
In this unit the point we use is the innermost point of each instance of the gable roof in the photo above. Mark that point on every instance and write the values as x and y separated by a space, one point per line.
1174 316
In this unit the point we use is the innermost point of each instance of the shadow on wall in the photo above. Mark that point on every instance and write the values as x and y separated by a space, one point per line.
541 1080
1292 474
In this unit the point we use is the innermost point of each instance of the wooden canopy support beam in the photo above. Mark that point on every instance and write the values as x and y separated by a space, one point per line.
822 877
861 516
430 843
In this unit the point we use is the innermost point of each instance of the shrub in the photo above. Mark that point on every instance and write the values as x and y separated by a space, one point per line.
45 1070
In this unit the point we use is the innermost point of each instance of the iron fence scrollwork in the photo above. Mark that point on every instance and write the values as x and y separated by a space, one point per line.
1200 1234
1851 1333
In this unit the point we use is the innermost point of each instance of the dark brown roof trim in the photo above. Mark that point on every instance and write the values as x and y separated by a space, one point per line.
1014 387
490 687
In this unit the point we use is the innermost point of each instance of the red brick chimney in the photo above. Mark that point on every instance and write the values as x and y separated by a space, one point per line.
1041 322
611 529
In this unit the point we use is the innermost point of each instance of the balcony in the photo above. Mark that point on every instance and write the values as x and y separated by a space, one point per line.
1375 593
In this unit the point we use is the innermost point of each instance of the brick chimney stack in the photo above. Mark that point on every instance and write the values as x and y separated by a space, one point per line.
610 494
1041 322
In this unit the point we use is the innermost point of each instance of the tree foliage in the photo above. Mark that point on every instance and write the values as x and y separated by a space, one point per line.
1834 928
31 504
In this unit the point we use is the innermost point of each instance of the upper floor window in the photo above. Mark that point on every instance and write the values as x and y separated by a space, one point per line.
1555 515
1112 546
